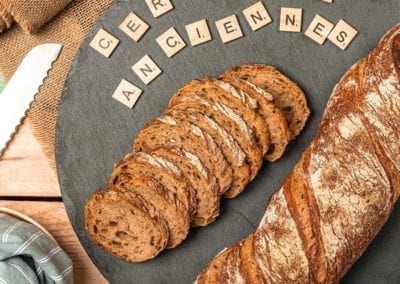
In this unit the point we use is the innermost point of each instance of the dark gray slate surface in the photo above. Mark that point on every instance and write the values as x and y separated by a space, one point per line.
94 131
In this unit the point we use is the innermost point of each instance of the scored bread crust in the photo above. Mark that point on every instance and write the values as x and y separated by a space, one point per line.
159 133
169 175
250 268
125 229
287 94
229 146
211 274
277 125
202 181
212 93
164 202
347 182
233 124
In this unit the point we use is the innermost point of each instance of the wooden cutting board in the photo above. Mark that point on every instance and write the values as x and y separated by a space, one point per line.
94 131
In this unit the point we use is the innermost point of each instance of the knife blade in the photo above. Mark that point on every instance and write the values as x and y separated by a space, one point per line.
22 88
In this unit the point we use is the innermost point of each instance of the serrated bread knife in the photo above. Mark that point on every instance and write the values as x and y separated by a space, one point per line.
21 90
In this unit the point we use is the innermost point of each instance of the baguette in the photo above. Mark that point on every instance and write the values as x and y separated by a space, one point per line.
344 188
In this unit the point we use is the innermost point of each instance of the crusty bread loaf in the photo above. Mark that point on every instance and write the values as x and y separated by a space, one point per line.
163 132
344 188
228 145
126 229
287 95
278 129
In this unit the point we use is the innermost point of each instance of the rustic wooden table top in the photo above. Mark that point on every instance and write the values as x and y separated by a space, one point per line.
29 185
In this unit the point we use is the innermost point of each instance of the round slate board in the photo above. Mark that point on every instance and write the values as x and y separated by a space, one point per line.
95 131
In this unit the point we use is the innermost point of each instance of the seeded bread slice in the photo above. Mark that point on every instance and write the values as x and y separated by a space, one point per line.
228 145
236 105
125 229
251 271
204 183
160 133
277 126
167 173
164 202
231 121
287 94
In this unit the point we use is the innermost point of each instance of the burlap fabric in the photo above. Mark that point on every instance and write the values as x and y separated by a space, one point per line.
6 20
30 14
68 28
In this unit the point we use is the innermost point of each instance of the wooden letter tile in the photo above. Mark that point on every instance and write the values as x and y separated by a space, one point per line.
127 93
104 42
146 69
171 42
319 29
159 7
291 19
342 35
229 29
257 16
134 26
198 32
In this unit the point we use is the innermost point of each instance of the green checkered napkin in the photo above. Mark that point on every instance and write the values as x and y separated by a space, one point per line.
28 255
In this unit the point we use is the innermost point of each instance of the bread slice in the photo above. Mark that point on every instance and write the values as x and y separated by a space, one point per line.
216 91
162 200
229 146
125 229
251 271
287 94
230 120
167 173
204 183
278 129
160 133
213 92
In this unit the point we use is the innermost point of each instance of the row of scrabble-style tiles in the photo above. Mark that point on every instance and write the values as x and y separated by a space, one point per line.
229 29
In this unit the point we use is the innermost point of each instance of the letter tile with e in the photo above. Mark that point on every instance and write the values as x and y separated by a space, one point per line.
134 26
229 29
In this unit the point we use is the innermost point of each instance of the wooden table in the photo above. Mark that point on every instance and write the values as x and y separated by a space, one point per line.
29 185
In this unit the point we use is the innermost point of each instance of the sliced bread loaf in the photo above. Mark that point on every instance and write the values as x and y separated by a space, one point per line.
228 145
230 121
164 202
204 183
125 229
287 94
160 133
213 91
167 173
277 126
